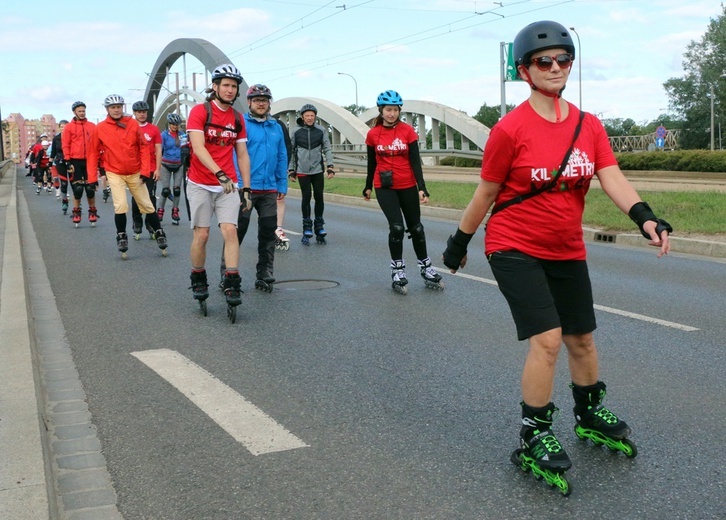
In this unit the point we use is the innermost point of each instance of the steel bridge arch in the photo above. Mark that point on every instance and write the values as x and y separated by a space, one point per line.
207 53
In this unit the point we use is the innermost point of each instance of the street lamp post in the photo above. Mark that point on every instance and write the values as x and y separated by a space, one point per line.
712 136
579 64
356 87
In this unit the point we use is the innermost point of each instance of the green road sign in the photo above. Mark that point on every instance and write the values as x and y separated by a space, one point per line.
510 73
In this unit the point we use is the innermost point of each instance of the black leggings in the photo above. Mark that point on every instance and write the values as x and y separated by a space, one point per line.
398 205
317 181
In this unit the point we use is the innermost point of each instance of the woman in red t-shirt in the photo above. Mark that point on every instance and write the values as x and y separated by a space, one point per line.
394 169
535 246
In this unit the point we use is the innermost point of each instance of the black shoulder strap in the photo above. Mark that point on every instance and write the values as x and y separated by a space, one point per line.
549 185
237 117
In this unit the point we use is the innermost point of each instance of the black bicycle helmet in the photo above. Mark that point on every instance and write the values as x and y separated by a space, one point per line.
77 104
174 119
307 107
539 36
140 106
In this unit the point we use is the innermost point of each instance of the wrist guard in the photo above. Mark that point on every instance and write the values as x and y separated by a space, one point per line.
641 213
456 249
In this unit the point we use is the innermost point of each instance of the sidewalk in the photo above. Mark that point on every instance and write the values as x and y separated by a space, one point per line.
23 490
51 465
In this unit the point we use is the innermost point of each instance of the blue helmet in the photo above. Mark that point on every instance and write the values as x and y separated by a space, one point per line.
389 97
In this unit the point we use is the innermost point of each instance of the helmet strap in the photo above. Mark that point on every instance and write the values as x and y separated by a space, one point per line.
555 97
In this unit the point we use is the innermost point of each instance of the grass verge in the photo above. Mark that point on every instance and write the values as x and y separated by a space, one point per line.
689 212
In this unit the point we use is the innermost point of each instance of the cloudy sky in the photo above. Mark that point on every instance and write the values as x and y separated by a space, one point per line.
445 51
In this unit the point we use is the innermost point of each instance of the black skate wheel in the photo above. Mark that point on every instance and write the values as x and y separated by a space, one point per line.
203 306
232 313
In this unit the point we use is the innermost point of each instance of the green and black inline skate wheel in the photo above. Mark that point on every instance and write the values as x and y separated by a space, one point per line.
553 478
626 446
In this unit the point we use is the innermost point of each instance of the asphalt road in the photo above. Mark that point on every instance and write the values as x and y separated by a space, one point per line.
405 407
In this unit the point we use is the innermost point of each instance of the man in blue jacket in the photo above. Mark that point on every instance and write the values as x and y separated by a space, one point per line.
268 180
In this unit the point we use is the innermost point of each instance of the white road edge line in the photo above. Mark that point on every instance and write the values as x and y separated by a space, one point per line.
642 317
246 423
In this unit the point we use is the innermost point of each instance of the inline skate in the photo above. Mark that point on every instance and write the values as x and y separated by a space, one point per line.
307 231
174 216
122 242
200 289
152 233
320 232
76 216
282 243
92 216
232 292
160 213
160 237
597 423
264 281
399 282
64 205
106 194
540 452
431 278
136 226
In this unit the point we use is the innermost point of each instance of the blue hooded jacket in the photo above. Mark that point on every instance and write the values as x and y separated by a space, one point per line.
268 156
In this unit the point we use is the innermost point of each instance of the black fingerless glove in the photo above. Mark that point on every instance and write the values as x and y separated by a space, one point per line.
641 213
366 189
456 249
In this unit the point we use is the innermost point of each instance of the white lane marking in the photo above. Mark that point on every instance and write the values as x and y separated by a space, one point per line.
642 317
249 425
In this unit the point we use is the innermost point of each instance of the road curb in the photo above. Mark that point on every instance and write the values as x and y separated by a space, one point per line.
79 485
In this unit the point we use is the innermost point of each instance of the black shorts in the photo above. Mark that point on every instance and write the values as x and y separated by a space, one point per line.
79 175
545 294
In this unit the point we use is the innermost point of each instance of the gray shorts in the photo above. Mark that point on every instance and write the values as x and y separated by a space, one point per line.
203 204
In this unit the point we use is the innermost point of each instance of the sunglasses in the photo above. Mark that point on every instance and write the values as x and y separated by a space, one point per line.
564 61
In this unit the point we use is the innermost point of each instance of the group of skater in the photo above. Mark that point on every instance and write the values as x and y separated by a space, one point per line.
533 242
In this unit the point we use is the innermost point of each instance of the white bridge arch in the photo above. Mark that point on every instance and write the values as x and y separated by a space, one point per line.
347 131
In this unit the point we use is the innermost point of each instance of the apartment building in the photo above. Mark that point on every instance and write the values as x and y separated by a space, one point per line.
20 134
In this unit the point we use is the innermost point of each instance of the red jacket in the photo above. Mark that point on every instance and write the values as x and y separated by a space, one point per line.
123 146
76 135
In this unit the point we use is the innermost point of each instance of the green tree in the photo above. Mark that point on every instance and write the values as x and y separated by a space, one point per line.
690 97
488 116
356 110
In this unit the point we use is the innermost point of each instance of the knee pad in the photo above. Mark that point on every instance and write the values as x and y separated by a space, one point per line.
165 192
177 192
416 232
395 232
77 191
90 191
